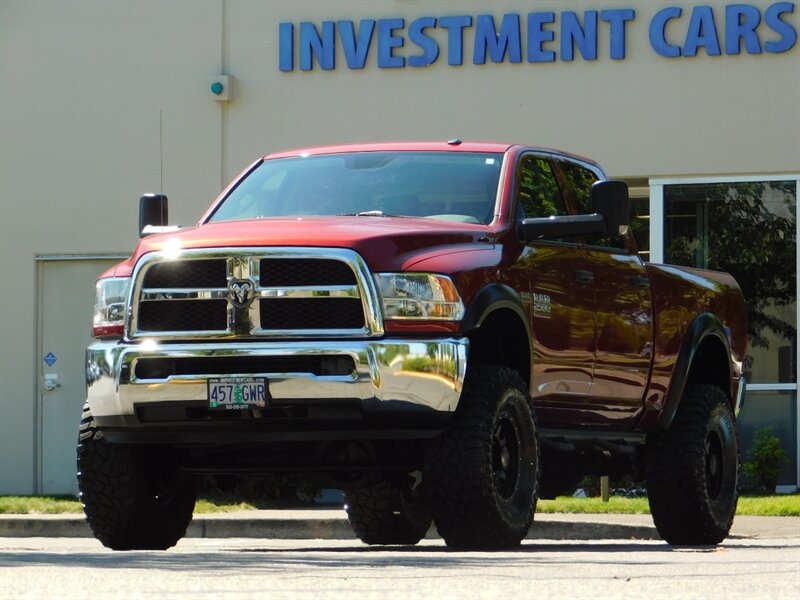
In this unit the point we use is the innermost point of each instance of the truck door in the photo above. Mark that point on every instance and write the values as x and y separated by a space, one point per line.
553 278
623 311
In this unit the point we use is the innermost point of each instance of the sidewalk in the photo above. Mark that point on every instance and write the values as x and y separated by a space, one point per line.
325 523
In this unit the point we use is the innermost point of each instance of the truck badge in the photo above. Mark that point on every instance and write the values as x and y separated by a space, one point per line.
241 292
541 305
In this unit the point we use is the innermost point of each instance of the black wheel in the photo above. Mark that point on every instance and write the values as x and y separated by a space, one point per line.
482 473
693 470
133 496
381 514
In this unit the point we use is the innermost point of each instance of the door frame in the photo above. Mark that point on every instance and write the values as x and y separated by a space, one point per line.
38 372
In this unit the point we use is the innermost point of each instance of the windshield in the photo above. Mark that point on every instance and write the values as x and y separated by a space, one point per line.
448 186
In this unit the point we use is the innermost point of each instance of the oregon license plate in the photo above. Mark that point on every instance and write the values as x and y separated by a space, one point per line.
238 392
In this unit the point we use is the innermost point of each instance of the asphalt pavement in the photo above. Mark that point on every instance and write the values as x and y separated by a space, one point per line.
246 568
328 523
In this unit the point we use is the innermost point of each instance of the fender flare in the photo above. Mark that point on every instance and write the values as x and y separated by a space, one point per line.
489 299
703 326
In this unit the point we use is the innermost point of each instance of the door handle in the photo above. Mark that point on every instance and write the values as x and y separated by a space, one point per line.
583 276
51 382
640 282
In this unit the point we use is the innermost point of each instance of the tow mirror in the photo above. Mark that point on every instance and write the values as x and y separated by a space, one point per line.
610 203
153 213
610 199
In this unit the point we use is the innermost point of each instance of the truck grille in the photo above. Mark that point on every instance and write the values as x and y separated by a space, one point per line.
183 315
243 293
321 365
311 313
277 272
187 274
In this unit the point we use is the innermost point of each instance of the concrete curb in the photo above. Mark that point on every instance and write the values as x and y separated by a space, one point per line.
332 524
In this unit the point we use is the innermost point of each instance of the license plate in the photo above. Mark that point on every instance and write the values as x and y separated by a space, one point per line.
238 392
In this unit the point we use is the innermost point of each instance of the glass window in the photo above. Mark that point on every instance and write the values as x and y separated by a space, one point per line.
749 230
776 409
450 186
539 195
579 180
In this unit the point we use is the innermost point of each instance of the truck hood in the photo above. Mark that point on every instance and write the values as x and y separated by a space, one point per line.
385 243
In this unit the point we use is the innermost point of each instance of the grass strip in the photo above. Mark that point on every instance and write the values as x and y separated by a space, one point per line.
778 505
39 505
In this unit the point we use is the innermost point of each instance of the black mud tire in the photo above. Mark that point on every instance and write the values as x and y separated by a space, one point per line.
482 473
133 496
692 470
381 514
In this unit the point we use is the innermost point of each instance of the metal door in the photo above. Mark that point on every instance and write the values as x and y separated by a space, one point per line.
66 298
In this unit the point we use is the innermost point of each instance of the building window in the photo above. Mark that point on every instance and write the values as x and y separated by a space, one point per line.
747 227
776 409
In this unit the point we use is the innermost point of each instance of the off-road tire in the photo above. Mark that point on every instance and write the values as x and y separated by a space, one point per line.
381 514
692 470
133 496
482 473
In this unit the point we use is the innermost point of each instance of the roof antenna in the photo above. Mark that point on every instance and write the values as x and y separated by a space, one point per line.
161 150
454 142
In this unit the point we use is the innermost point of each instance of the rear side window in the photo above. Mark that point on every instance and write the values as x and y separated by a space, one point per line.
539 195
579 180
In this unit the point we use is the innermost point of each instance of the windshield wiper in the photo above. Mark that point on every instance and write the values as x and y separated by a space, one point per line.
367 213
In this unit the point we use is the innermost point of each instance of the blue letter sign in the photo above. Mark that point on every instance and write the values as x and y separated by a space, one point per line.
544 36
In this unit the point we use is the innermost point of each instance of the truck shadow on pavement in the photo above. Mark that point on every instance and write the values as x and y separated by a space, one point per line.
317 556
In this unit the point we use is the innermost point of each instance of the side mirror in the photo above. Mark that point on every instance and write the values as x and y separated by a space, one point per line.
560 226
611 208
153 210
610 199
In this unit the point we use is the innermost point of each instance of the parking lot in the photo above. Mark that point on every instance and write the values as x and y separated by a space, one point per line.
346 569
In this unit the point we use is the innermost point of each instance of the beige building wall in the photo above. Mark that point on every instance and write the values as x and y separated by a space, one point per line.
103 101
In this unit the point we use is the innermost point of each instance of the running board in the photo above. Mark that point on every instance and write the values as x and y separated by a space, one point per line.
569 440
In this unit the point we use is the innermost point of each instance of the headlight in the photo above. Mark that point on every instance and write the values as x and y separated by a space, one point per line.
110 302
419 296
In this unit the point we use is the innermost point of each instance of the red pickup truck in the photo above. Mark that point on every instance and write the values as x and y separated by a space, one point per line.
446 331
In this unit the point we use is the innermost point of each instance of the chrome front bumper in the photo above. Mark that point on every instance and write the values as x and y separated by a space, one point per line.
397 374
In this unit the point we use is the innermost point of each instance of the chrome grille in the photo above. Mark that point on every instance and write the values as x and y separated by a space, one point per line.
288 292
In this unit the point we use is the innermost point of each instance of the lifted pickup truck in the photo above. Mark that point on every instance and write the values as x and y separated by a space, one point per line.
446 331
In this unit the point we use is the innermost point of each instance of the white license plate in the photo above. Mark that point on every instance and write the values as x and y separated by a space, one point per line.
238 392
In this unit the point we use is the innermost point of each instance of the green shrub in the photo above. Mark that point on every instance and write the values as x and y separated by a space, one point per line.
766 459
